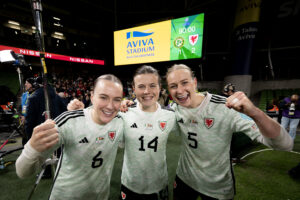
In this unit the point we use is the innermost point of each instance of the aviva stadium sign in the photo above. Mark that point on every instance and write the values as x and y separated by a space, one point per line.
175 39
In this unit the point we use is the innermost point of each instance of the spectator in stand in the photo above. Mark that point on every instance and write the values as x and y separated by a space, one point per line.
87 100
291 114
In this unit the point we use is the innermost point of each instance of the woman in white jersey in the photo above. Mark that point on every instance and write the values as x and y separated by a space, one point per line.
146 130
206 124
89 140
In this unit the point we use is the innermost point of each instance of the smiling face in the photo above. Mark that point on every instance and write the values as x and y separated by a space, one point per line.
182 87
146 88
106 99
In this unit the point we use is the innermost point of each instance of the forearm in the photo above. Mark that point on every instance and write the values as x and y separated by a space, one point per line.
28 162
267 126
282 142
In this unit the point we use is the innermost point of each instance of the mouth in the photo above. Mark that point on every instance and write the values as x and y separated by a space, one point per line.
147 98
108 113
182 98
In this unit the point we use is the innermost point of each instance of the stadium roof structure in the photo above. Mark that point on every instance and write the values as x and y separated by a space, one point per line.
84 28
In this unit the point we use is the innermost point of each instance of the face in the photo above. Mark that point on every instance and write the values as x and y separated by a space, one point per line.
106 100
182 87
146 88
28 86
294 98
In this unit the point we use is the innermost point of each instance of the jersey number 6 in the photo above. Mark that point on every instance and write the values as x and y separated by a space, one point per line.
97 162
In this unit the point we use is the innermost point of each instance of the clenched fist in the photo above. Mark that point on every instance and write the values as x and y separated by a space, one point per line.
75 104
44 136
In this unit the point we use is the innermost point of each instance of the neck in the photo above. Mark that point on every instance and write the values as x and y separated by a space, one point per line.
94 118
198 100
151 108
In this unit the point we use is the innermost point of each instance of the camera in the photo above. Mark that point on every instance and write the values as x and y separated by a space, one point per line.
292 109
9 56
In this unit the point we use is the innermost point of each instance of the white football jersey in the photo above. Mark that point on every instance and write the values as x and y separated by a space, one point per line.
145 136
88 156
206 131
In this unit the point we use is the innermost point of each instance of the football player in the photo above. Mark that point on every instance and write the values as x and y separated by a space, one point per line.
89 140
206 123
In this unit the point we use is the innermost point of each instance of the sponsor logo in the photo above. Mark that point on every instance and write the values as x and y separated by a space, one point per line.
254 127
133 125
140 47
208 122
193 39
134 34
162 125
193 122
84 140
179 42
180 121
148 126
99 139
112 135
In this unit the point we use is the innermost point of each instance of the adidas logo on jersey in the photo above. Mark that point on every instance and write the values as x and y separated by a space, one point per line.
84 140
180 121
133 125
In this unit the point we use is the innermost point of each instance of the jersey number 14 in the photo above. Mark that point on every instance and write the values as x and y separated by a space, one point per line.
151 145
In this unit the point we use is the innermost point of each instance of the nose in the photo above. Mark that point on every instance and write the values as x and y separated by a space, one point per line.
110 104
180 89
147 89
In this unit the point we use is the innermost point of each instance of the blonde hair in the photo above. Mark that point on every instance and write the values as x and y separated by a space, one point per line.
178 67
109 77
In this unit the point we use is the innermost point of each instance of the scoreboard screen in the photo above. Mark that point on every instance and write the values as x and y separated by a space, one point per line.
175 39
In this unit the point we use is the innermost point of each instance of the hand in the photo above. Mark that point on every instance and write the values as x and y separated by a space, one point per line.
124 105
44 136
240 102
22 118
75 104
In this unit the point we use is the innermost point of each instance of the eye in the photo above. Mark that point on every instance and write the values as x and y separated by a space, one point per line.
185 82
103 97
118 100
141 86
173 86
153 86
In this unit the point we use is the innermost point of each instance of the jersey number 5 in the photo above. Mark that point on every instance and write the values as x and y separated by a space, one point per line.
97 162
151 145
194 143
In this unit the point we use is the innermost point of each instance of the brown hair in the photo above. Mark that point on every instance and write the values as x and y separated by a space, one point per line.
146 69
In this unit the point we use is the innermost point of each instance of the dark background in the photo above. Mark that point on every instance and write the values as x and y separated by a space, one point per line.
90 24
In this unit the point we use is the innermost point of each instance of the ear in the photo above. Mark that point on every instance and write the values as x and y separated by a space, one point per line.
92 96
195 83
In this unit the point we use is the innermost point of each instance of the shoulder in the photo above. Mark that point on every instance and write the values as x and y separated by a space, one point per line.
174 106
118 116
167 109
217 99
133 105
65 116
